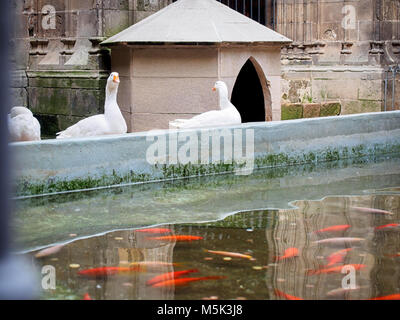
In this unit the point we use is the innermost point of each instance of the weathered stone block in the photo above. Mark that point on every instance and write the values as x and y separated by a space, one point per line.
181 62
19 79
116 4
292 111
370 106
44 82
86 24
311 110
370 90
115 21
140 15
296 90
330 109
87 102
50 100
19 97
82 83
351 107
164 95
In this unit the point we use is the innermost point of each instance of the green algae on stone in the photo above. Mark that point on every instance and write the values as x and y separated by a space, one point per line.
292 111
24 188
165 172
330 109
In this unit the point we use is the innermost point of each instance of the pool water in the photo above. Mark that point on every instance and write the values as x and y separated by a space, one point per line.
257 216
263 235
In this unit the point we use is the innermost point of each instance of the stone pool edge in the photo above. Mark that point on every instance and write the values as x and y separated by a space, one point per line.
51 166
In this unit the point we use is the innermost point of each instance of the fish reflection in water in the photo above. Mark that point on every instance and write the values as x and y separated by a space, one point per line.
337 257
170 276
290 254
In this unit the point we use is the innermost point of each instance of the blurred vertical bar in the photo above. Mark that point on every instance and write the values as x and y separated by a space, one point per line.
5 76
18 279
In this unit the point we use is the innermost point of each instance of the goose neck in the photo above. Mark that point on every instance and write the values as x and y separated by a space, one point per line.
222 99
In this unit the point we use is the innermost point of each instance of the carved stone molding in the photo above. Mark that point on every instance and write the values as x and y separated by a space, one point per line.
315 47
69 44
38 46
377 47
302 51
396 46
346 47
96 49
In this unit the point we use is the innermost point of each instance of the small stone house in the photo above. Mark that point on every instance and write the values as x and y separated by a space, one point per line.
169 62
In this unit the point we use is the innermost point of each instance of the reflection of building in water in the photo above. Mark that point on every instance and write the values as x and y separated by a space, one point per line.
151 251
294 229
271 232
121 250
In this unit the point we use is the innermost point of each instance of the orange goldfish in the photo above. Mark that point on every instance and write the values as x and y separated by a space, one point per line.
334 228
337 269
393 255
154 230
286 296
107 271
184 281
390 225
389 297
230 254
86 297
289 253
337 257
170 276
177 238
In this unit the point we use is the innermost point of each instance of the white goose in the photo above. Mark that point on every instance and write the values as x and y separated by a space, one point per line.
228 115
22 125
111 122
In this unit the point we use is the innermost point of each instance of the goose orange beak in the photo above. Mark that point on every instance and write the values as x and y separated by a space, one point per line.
116 79
214 89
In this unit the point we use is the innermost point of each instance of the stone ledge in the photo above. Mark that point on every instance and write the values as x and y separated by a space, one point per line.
50 166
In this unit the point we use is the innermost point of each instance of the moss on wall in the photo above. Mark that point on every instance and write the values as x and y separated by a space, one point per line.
292 111
25 188
310 110
330 109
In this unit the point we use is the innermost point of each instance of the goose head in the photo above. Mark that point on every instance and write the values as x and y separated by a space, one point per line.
113 82
221 87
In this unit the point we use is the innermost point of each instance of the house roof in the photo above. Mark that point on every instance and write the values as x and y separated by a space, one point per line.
197 22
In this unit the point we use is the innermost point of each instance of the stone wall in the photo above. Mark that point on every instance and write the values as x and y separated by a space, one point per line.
340 51
60 69
65 165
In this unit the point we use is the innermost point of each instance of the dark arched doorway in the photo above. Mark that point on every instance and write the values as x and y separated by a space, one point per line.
247 94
